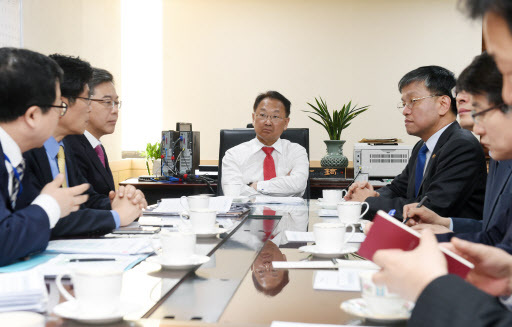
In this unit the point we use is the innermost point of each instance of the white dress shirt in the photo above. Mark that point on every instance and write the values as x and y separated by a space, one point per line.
13 152
94 141
244 164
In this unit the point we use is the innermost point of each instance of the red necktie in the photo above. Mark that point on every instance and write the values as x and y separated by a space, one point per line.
100 153
268 224
269 167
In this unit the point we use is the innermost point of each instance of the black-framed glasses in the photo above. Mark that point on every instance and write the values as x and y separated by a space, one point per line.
87 100
272 118
478 116
402 104
109 104
62 109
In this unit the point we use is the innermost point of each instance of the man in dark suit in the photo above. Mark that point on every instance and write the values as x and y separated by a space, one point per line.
421 274
447 164
100 214
89 153
30 107
482 83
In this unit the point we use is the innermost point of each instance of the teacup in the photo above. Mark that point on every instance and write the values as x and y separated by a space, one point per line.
330 237
97 291
350 211
377 297
333 196
196 201
232 189
201 220
177 246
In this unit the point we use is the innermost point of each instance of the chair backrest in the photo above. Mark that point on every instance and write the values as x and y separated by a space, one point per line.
232 137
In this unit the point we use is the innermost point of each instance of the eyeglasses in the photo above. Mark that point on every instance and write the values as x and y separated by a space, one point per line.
478 117
402 104
264 117
62 109
87 100
109 104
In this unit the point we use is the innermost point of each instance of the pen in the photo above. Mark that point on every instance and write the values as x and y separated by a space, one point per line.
392 212
91 259
418 206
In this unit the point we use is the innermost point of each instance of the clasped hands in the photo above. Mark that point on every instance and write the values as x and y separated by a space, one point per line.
128 202
359 191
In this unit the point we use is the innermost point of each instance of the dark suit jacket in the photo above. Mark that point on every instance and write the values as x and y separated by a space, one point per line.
93 218
497 210
450 301
25 229
89 164
454 179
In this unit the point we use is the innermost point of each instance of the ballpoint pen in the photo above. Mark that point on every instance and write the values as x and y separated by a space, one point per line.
91 259
418 206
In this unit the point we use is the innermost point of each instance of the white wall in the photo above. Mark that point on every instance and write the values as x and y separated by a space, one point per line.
219 54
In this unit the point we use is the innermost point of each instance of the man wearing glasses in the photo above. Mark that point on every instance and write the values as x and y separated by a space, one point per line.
447 165
30 107
89 153
268 164
100 214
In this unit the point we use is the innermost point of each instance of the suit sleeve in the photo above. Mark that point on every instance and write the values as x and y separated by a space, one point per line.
450 301
22 232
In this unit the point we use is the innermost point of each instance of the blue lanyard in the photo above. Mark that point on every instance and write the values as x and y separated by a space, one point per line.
15 171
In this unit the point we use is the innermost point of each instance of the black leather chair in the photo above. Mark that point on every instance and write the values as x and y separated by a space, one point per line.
232 137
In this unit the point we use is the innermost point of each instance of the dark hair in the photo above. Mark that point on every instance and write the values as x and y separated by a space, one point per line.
77 74
482 77
478 8
276 96
27 78
438 80
99 76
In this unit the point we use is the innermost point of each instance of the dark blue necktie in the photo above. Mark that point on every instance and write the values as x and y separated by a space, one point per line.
420 166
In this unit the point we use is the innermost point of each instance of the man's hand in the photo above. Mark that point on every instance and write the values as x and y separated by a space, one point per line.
493 266
131 193
127 211
436 229
354 187
408 272
423 215
69 198
254 185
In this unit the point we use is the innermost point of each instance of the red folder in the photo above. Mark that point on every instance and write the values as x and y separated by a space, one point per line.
388 233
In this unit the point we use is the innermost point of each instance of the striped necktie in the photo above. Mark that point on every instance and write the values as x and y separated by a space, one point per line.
61 163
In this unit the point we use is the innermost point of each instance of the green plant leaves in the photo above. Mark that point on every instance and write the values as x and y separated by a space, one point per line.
152 153
339 120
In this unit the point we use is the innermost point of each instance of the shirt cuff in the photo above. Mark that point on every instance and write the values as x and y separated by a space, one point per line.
451 223
262 187
116 217
50 206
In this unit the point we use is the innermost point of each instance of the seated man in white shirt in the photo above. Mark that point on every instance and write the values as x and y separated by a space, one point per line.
268 165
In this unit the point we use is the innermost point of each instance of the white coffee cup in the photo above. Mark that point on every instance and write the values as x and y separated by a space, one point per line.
177 246
350 211
377 297
201 220
232 189
333 196
330 237
97 291
195 202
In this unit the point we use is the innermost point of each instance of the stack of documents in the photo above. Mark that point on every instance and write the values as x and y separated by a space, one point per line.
23 291
102 246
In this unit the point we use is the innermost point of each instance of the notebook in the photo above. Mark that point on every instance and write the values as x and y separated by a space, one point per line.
389 233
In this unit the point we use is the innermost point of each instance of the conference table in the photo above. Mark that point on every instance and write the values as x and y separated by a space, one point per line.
226 291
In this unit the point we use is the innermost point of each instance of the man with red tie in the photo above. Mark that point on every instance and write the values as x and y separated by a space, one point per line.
88 150
267 164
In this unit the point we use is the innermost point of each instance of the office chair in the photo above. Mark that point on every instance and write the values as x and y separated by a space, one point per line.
232 137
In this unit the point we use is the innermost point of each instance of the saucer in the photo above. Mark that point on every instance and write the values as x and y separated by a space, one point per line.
240 199
69 310
215 232
328 205
192 262
313 249
357 307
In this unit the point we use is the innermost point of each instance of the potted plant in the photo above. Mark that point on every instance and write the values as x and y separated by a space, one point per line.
153 153
334 125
